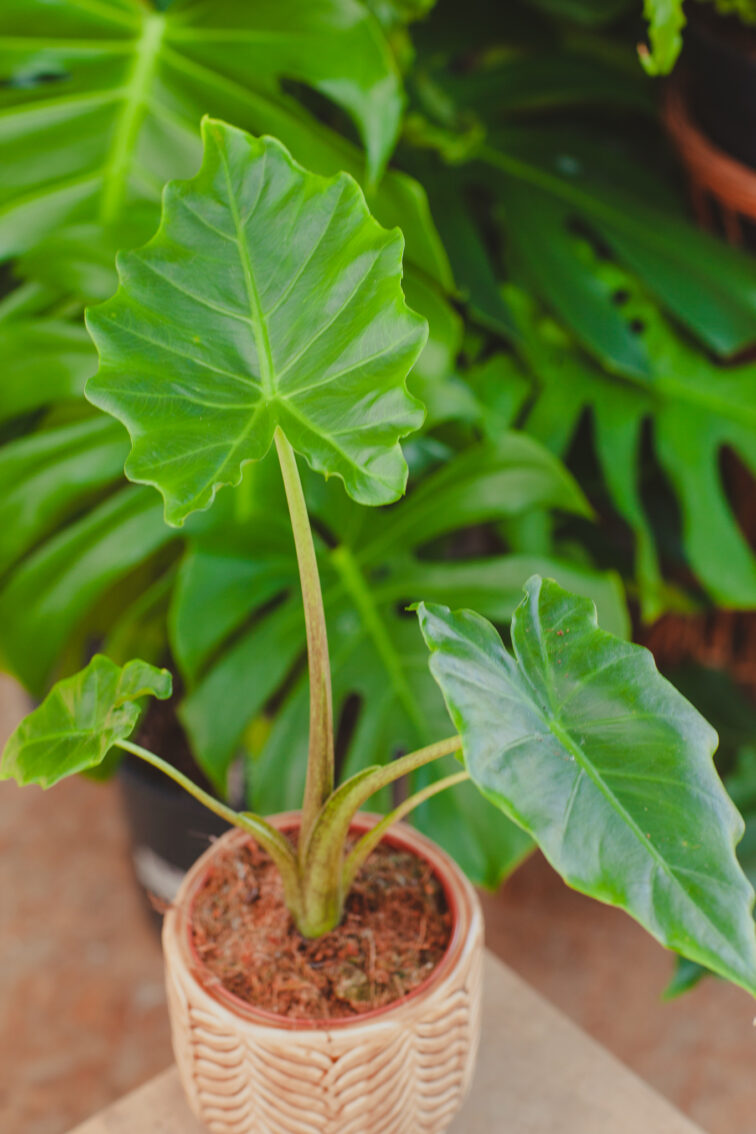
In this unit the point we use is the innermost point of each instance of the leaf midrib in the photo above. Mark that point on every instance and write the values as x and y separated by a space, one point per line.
126 130
259 325
588 768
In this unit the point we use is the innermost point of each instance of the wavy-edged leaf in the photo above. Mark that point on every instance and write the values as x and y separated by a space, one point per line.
80 720
222 331
578 738
741 787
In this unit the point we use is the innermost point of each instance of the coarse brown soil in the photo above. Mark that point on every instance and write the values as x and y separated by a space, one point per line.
395 931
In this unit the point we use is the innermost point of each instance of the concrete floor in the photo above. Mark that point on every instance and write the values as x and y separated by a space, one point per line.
82 1013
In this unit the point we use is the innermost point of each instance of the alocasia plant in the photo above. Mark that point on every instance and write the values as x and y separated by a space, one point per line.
573 735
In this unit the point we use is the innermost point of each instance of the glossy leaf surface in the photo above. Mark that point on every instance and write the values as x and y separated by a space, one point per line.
220 332
579 739
79 721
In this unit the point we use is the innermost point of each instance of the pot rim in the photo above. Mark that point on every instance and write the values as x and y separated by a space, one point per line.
460 897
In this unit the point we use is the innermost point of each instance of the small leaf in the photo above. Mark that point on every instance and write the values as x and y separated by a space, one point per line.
80 720
666 21
268 298
580 740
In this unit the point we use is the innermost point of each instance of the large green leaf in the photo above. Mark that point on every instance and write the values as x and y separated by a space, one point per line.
246 655
579 739
54 587
696 409
741 785
561 269
572 175
707 285
80 720
222 331
47 476
43 360
101 101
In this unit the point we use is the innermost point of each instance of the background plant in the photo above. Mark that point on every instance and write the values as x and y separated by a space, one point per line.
566 317
224 342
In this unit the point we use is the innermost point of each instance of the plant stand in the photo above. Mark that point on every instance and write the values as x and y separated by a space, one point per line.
536 1073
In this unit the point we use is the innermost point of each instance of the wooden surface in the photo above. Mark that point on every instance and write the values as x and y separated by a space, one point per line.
537 1074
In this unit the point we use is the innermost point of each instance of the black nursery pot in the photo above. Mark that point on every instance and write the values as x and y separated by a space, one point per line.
169 830
720 58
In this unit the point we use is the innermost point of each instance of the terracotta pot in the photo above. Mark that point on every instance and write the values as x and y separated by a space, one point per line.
720 59
723 190
403 1069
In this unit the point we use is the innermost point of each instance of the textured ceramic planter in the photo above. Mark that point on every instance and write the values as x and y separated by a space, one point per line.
403 1069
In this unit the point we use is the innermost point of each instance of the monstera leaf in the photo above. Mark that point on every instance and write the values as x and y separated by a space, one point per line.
695 409
543 182
577 738
80 720
52 590
111 93
237 630
221 332
44 361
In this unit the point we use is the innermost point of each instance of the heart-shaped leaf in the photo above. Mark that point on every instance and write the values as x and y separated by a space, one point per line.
580 740
80 720
268 298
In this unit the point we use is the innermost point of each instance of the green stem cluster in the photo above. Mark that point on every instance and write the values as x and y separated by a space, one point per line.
317 880
318 872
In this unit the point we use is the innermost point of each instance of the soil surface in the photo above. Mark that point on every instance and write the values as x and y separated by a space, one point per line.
395 930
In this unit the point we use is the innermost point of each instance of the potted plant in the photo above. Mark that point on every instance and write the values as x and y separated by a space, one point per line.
267 312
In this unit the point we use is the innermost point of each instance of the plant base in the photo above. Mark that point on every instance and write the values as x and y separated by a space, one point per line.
403 1069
